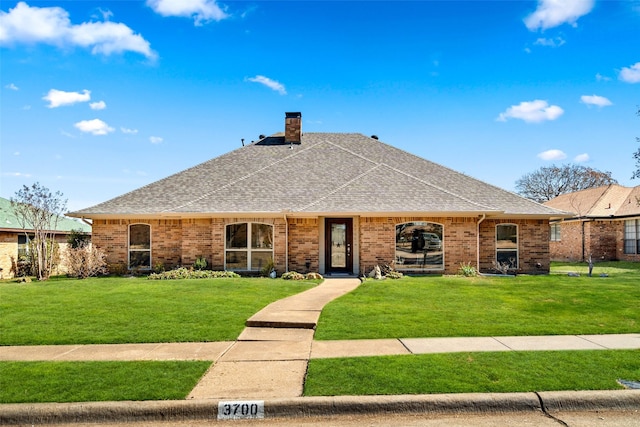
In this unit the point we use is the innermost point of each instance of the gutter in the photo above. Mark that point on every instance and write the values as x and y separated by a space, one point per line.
484 216
286 243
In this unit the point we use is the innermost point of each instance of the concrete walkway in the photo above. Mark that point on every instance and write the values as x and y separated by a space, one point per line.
270 357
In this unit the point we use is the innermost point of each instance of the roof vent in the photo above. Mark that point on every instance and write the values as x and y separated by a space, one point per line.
293 128
374 136
261 136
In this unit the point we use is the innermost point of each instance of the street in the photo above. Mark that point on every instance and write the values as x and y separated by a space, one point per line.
629 418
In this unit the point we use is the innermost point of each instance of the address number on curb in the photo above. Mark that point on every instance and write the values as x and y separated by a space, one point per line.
240 409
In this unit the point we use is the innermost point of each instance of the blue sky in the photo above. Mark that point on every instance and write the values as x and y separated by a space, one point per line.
98 98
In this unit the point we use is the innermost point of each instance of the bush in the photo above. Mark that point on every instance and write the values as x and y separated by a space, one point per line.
200 263
117 269
467 270
189 273
85 261
292 275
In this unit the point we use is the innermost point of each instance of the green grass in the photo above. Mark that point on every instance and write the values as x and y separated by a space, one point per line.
133 310
34 382
450 306
473 372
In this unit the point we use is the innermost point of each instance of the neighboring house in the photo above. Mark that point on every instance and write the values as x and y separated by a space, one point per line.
605 225
14 239
336 203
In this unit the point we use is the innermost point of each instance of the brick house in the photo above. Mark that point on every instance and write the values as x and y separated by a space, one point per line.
14 239
605 224
336 203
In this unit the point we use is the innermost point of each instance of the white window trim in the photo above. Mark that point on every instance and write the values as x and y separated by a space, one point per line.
129 250
248 249
517 248
637 237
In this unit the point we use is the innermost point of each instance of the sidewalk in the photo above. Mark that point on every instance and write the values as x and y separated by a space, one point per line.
269 359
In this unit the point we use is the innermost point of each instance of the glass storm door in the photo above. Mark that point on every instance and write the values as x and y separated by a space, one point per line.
339 245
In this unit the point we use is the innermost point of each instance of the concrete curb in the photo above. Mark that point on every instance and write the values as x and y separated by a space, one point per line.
180 410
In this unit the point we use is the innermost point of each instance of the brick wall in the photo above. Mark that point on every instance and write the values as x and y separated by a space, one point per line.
304 244
533 245
603 240
180 242
8 254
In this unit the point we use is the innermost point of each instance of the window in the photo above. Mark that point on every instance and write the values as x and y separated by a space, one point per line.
632 236
23 245
555 232
507 245
248 246
419 246
140 246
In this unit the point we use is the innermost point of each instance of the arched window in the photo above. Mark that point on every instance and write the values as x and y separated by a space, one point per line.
419 246
507 245
140 246
248 246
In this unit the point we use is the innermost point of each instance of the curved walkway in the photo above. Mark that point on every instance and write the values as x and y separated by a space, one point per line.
270 357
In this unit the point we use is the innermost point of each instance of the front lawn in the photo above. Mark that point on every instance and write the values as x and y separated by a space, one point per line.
31 382
500 372
112 310
448 306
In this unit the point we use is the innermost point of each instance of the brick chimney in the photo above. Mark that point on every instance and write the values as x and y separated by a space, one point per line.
293 128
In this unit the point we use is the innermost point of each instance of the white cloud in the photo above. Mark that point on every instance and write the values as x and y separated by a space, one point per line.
155 139
12 86
58 98
100 105
556 42
552 155
531 112
581 158
202 11
272 84
599 101
553 13
601 78
631 74
94 127
51 25
17 174
129 131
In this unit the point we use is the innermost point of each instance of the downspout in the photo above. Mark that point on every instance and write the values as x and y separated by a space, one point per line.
478 242
583 240
286 244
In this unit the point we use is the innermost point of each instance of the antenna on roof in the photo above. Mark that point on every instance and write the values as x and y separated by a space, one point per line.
242 140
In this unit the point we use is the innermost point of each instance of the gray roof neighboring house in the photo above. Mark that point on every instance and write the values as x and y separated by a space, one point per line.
9 221
322 174
607 201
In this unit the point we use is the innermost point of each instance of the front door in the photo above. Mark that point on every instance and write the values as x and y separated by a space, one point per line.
338 245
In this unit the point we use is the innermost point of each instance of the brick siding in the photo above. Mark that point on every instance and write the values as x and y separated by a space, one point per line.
181 241
603 240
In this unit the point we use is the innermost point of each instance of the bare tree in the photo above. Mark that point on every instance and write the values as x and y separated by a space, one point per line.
549 182
38 211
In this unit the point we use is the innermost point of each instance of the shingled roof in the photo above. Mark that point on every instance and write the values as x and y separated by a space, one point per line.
325 173
602 202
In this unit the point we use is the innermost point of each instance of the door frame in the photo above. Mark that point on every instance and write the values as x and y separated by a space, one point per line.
348 269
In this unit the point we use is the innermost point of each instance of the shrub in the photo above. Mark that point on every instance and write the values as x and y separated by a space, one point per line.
78 238
467 270
266 270
189 273
117 269
85 261
394 275
292 275
200 263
